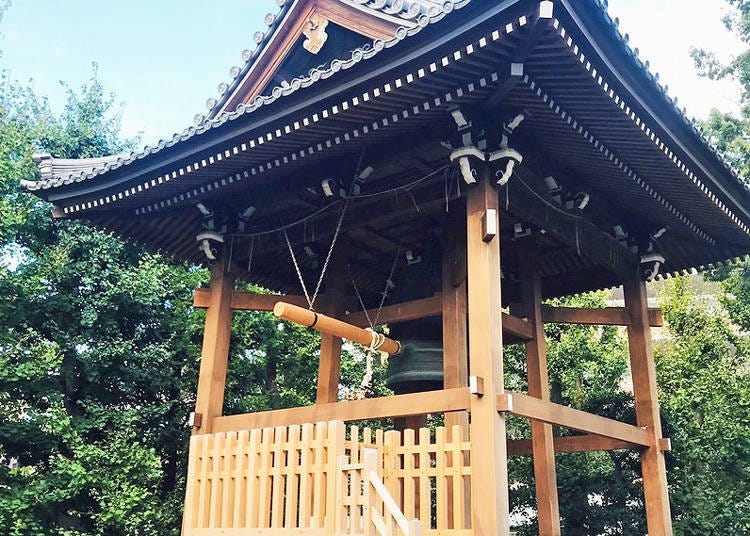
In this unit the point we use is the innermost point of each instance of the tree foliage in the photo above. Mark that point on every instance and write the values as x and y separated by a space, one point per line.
99 348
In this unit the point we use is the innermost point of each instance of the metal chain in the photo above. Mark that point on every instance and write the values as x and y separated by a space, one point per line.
296 267
311 301
330 253
359 297
388 283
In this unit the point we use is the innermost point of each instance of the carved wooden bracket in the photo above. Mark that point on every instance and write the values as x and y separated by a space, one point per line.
315 31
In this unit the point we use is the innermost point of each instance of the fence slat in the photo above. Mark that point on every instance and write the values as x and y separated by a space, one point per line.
425 499
319 490
409 474
354 445
205 484
277 489
441 484
292 477
214 516
227 477
240 477
253 482
305 489
192 490
335 448
459 489
265 479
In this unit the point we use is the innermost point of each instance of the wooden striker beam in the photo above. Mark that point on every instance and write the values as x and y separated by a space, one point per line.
490 504
656 493
331 326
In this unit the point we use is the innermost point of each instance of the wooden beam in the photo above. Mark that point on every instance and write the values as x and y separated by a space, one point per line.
454 305
653 467
545 473
517 327
593 244
559 415
609 316
401 312
490 502
354 410
212 377
579 443
249 301
456 344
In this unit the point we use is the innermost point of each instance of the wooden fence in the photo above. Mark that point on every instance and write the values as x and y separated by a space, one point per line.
313 480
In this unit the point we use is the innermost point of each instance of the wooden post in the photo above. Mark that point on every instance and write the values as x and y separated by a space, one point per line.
543 447
454 298
329 367
490 508
647 408
455 344
212 378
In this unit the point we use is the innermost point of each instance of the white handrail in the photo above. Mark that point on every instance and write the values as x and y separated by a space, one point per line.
409 528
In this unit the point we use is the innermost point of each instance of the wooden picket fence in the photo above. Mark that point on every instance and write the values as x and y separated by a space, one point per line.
313 480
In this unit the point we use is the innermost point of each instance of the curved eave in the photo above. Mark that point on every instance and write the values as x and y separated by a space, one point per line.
198 141
598 32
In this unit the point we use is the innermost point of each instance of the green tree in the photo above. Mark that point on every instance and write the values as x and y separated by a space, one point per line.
99 348
704 376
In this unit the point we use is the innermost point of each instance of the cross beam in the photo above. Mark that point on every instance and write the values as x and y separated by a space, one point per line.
579 443
557 414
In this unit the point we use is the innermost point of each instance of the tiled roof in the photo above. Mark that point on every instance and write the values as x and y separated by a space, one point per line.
61 172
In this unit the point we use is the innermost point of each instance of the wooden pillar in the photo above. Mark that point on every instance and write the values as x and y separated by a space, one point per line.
212 378
455 341
647 408
329 366
454 297
490 506
542 442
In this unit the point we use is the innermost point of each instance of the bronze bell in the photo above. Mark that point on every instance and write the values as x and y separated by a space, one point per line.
419 365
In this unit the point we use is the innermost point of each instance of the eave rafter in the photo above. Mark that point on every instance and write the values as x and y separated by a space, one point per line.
600 78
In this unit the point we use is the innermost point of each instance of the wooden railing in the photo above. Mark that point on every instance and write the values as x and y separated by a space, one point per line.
364 503
312 480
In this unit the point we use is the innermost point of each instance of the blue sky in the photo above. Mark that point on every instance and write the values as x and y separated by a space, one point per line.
164 58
